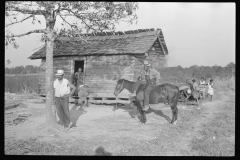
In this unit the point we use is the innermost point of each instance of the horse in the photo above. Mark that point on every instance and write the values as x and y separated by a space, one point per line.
159 94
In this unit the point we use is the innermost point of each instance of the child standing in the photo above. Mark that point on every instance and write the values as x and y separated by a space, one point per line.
82 95
210 89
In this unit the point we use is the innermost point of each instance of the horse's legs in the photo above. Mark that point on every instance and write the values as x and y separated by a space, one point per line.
174 112
142 113
197 101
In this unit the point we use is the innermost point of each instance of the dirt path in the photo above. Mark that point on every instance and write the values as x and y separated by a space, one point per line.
120 134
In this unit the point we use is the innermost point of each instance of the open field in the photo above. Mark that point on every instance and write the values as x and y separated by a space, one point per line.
206 130
22 83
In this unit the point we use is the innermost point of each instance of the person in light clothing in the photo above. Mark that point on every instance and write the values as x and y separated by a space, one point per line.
62 93
82 95
210 89
202 81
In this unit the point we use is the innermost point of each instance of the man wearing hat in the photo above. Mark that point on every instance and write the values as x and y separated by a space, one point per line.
62 93
152 77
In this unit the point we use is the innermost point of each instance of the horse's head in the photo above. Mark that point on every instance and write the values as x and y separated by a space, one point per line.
119 87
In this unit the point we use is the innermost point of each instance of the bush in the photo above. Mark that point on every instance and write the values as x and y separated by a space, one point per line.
224 84
21 84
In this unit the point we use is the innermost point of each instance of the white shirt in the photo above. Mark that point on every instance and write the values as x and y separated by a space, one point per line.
61 89
210 89
202 82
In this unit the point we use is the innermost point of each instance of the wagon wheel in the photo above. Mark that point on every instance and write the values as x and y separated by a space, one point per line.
183 98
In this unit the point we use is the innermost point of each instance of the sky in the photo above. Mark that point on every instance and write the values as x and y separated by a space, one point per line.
200 34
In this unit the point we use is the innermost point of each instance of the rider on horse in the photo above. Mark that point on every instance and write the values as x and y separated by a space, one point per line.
152 77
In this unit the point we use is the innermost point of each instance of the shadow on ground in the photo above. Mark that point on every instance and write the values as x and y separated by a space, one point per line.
74 115
100 151
133 111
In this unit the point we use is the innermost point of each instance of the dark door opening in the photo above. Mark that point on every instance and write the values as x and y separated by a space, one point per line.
77 65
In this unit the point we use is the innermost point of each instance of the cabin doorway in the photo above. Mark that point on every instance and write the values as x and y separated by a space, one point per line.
77 65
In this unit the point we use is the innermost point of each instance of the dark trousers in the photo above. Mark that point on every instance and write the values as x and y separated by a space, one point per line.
62 108
147 93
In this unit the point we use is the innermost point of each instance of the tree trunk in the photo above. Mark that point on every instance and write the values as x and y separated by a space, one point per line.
50 108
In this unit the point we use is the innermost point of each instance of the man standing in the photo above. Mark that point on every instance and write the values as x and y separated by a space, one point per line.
152 77
62 93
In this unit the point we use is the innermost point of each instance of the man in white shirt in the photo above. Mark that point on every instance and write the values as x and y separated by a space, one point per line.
62 93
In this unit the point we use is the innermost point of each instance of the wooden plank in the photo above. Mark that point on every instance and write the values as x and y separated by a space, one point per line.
88 80
59 62
109 101
109 94
100 67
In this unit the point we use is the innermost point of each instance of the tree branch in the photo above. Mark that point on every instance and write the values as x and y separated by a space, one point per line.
19 21
34 31
69 10
25 11
66 21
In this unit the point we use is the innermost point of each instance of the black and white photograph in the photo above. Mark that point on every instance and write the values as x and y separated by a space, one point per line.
110 78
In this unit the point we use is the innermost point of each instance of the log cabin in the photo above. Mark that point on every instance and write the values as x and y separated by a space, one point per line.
105 57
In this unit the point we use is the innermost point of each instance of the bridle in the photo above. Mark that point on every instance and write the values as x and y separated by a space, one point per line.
122 84
116 96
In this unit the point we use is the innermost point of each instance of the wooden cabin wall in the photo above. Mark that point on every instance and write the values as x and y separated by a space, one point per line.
58 63
157 61
103 72
156 56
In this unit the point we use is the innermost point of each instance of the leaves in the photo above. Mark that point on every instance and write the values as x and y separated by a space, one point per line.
181 74
92 16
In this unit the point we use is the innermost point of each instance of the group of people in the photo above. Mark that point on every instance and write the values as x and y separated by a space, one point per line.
63 89
197 86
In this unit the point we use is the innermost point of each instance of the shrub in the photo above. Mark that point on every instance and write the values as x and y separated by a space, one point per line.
21 83
224 84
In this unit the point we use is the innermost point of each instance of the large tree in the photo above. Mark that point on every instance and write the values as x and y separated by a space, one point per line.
90 17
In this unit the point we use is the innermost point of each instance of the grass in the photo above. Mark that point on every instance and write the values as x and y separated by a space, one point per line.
32 146
219 134
222 127
22 84
224 84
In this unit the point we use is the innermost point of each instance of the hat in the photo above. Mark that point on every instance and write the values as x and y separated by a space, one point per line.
146 63
59 72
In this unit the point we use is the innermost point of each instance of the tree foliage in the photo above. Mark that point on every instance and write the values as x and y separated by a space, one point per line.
29 69
179 74
89 17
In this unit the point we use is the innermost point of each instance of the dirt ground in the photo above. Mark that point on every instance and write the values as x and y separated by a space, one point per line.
208 129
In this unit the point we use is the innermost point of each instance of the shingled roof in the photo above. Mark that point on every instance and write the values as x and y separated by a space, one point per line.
128 42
